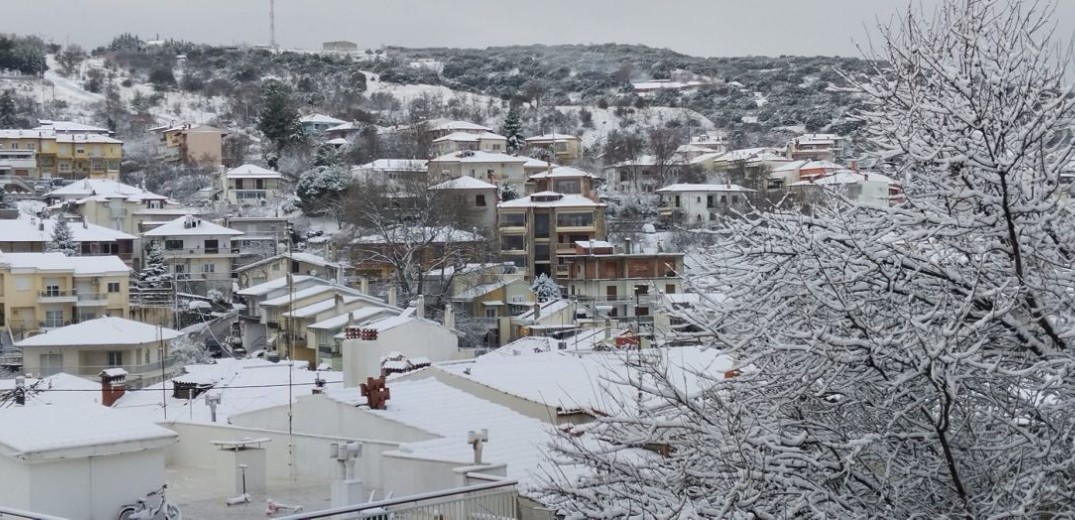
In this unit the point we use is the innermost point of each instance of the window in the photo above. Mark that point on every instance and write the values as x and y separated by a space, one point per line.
212 247
15 145
54 318
30 146
179 268
610 292
479 200
677 201
574 219
51 364
490 313
723 199
496 147
172 245
208 268
513 242
22 284
238 184
709 201
65 167
513 219
86 315
52 288
153 204
698 200
115 358
113 287
259 184
669 289
735 199
97 165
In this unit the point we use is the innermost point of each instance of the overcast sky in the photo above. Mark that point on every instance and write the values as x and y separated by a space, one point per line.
698 27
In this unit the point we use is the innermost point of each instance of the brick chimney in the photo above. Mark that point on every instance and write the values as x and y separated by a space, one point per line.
113 385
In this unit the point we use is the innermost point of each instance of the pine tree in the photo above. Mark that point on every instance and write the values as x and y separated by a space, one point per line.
154 271
545 288
513 130
5 201
278 120
8 115
63 240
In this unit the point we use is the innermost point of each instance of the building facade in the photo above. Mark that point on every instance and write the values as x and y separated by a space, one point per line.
198 252
536 230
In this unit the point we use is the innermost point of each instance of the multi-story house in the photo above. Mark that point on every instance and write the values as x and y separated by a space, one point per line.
443 128
248 184
44 291
803 170
460 141
314 124
44 153
391 170
197 251
565 148
537 229
496 168
296 263
26 234
623 285
563 179
377 256
111 204
189 144
70 127
817 147
863 187
701 204
482 297
472 201
262 237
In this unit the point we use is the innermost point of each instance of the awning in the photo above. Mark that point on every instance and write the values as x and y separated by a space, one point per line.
493 303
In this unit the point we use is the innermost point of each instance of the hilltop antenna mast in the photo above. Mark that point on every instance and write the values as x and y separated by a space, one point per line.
272 24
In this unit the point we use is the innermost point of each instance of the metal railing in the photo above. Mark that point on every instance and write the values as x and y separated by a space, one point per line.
82 297
491 501
8 512
55 294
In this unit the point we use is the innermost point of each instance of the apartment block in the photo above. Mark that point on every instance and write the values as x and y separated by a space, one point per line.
535 231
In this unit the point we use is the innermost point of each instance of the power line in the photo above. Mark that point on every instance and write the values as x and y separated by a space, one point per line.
147 389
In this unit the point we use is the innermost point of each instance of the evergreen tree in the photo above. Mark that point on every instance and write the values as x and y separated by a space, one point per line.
8 115
278 119
5 201
63 240
154 271
513 130
326 155
545 288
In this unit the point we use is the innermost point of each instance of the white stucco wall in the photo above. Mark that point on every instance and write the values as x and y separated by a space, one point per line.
15 490
93 488
362 359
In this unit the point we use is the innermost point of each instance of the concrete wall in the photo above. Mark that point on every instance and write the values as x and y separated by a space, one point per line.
15 491
93 488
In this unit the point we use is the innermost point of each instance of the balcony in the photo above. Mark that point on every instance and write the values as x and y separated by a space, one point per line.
91 300
245 194
489 499
56 296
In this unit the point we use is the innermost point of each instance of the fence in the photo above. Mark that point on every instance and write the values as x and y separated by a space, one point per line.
492 501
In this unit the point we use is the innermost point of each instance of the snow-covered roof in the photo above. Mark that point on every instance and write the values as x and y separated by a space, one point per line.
188 225
469 137
344 127
361 316
277 284
300 294
579 381
818 139
79 265
15 133
58 389
411 234
105 331
480 290
69 126
44 432
564 172
465 182
102 189
594 244
532 162
547 308
317 308
583 340
32 229
251 171
339 141
555 200
460 125
701 188
321 119
847 177
693 148
554 137
477 156
641 160
244 385
752 154
516 440
792 166
393 165
447 271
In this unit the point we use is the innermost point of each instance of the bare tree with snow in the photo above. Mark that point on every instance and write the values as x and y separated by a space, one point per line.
894 362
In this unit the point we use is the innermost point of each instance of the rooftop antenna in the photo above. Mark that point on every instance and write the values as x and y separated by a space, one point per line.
272 24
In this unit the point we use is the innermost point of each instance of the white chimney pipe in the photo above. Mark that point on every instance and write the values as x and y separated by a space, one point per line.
420 306
392 296
449 316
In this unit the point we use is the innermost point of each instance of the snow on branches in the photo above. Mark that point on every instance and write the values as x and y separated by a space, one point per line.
906 361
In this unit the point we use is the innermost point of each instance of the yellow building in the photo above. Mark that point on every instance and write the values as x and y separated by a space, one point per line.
44 153
189 144
44 291
566 149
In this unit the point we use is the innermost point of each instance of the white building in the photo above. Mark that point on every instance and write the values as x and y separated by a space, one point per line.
251 183
82 461
317 123
408 334
475 200
443 128
817 147
198 251
496 168
460 141
863 187
390 170
701 204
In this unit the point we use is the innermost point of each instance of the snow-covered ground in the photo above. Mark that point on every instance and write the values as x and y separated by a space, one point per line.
605 120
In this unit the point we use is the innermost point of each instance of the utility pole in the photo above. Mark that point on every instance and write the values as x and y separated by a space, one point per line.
272 24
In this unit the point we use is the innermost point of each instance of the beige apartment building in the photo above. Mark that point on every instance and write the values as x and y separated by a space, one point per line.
190 144
565 148
538 230
44 291
44 153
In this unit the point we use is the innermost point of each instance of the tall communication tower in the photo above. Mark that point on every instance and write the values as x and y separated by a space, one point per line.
272 24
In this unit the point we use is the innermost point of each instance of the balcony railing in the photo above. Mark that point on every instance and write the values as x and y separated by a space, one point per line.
56 296
92 299
496 500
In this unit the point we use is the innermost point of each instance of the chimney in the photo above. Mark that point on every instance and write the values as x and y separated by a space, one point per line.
339 304
537 311
20 390
84 225
392 296
449 316
364 285
420 306
854 166
627 244
113 385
